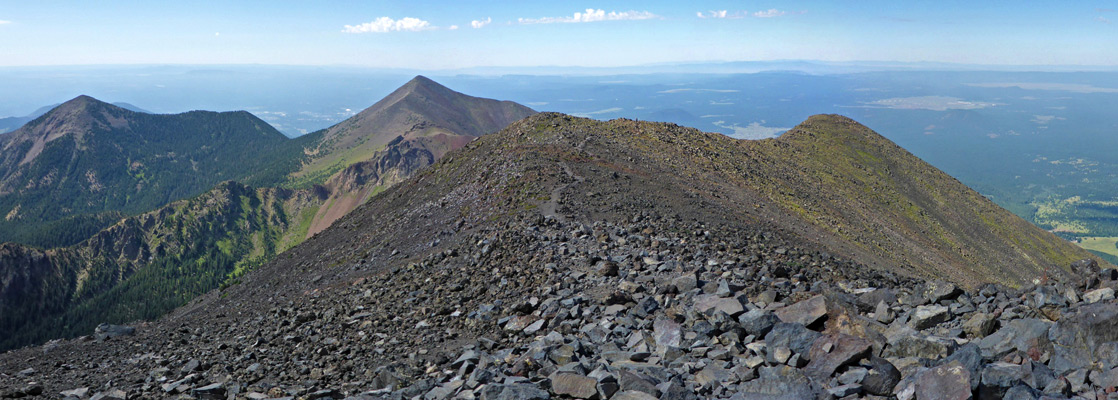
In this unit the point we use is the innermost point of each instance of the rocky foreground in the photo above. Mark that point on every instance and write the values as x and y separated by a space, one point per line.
673 313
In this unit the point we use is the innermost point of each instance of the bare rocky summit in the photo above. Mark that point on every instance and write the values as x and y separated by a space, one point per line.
569 258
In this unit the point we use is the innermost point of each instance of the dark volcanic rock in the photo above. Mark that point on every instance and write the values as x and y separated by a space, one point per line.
106 331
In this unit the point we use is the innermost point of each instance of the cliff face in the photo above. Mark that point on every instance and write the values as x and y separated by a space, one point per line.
354 185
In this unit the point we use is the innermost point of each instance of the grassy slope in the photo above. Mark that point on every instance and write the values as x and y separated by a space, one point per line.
841 185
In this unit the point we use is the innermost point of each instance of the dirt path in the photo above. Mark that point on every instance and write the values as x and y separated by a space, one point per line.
550 208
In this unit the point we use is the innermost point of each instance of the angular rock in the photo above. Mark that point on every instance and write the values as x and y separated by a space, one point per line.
936 291
667 333
950 381
112 394
1025 335
712 375
845 390
106 331
708 303
686 282
519 323
630 381
1098 295
795 337
574 385
980 325
209 392
868 301
805 313
515 391
915 345
830 352
970 357
881 377
999 377
925 317
781 382
632 395
758 322
79 392
1022 392
1076 338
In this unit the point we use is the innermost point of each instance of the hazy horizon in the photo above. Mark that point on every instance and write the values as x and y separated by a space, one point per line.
443 35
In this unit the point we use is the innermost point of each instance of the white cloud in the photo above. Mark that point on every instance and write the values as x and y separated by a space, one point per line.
591 15
478 24
1103 20
714 14
3 22
770 13
452 27
386 24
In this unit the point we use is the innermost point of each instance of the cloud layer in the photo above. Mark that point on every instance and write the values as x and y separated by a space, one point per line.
770 13
591 15
386 24
2 22
478 24
726 14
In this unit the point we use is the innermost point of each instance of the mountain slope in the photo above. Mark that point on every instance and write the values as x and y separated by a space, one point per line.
86 157
409 129
53 296
419 108
146 265
561 246
830 182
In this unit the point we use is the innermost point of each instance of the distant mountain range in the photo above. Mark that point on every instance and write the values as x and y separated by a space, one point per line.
830 183
86 164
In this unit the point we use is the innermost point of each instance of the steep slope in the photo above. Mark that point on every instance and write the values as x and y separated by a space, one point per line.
86 157
410 128
51 296
564 253
146 265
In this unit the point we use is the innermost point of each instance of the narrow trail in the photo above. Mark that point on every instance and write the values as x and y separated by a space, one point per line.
550 208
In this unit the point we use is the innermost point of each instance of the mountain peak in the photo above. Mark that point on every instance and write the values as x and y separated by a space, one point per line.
832 128
422 80
422 108
421 86
80 101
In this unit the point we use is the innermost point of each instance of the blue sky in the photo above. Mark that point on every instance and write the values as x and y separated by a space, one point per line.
459 34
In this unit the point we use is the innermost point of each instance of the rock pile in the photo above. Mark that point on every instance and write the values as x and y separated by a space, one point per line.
649 309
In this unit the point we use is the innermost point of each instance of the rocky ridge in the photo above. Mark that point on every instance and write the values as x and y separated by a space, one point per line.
559 266
636 325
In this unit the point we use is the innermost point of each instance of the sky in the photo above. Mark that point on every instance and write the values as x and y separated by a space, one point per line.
434 35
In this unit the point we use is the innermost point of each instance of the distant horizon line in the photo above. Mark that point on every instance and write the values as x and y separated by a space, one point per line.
865 65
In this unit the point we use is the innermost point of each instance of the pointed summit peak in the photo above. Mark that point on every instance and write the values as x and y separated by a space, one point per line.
832 128
82 100
79 103
422 84
422 80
